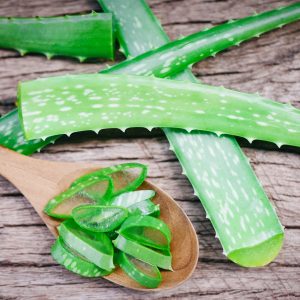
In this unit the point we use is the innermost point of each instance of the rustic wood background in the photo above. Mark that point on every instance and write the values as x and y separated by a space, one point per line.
269 65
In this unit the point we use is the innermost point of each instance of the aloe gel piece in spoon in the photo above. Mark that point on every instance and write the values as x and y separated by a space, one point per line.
74 262
96 247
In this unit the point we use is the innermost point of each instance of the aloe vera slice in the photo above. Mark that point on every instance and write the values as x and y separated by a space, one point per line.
95 247
206 159
145 274
136 39
131 198
125 177
145 254
99 218
99 101
74 262
147 231
99 188
137 202
87 192
80 36
147 208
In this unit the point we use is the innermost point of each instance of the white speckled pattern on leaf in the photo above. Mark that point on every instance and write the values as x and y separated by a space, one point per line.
66 104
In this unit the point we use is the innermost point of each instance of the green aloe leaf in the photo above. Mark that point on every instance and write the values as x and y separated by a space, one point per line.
97 101
80 36
174 57
12 137
216 167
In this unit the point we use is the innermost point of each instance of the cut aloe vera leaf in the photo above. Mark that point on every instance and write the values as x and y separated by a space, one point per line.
62 205
138 101
74 262
136 39
137 202
96 247
206 159
143 253
125 177
80 36
145 274
147 231
99 218
244 219
174 57
12 137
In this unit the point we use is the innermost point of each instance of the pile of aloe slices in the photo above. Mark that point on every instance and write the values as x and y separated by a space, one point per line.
108 223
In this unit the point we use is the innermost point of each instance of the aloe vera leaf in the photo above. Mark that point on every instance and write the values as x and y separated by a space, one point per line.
175 56
145 274
97 101
143 253
125 177
80 36
62 205
12 137
147 231
99 218
137 202
96 247
136 39
74 262
206 159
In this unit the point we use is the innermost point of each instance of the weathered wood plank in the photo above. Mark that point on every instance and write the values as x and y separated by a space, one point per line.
269 65
209 281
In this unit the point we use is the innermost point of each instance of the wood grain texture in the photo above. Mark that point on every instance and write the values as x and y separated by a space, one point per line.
269 65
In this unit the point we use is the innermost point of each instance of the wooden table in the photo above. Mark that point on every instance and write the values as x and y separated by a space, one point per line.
269 65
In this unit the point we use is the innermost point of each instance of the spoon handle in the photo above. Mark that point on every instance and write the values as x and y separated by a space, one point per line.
37 178
13 165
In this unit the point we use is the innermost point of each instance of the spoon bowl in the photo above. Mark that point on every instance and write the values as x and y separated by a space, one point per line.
41 180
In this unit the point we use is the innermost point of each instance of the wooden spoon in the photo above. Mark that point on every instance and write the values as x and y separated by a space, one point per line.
41 180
